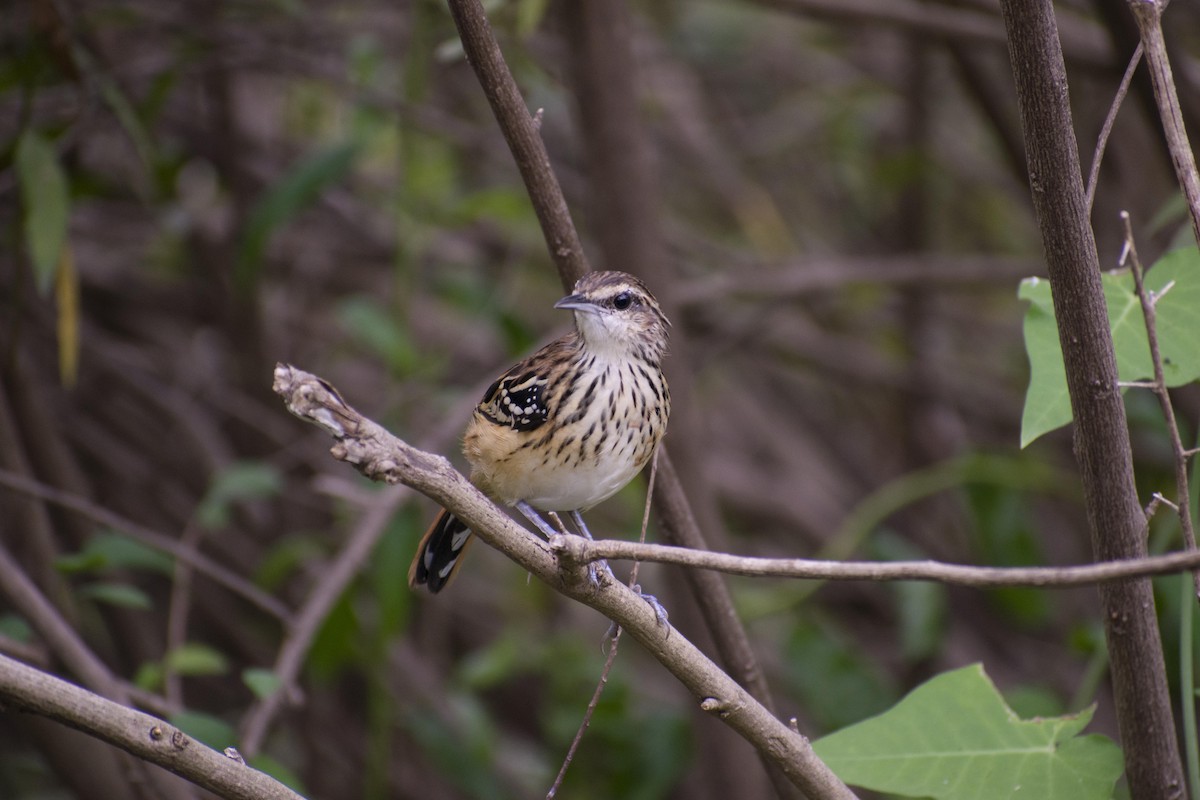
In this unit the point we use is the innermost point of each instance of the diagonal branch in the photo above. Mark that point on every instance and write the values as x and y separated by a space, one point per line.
1148 14
23 688
382 457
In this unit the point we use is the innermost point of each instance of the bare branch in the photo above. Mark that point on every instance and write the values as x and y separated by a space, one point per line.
1102 447
1148 14
1159 387
1106 128
580 551
24 688
679 521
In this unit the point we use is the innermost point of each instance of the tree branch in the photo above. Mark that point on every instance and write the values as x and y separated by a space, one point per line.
678 521
24 688
382 457
1102 447
1159 387
580 551
1148 14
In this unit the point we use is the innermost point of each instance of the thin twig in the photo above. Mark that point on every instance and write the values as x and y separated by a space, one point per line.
1106 129
1148 14
1164 397
814 569
587 715
614 640
179 609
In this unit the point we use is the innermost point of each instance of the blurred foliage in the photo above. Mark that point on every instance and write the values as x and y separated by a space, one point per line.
197 192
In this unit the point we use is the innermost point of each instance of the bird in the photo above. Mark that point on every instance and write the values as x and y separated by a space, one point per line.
569 426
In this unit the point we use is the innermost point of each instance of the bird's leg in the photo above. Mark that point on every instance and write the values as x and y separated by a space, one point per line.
659 611
577 518
594 567
540 523
533 516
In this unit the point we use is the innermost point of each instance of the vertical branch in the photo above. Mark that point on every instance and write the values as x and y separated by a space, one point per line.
624 199
1148 14
1101 435
559 230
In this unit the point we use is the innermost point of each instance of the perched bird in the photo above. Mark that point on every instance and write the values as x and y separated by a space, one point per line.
569 426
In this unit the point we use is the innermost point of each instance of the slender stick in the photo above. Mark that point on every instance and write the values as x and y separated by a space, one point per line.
202 564
613 640
1106 129
1148 14
1159 387
816 569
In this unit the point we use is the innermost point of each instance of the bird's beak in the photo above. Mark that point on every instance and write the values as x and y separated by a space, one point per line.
577 302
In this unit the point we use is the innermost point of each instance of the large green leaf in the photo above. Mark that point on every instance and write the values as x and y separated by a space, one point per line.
954 737
1174 280
45 203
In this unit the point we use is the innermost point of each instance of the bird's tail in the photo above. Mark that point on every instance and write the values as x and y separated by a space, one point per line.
439 555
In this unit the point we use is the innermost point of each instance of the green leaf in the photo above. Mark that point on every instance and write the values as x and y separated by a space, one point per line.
954 737
117 594
15 628
115 551
337 641
244 480
1174 280
287 198
263 682
196 659
46 204
150 676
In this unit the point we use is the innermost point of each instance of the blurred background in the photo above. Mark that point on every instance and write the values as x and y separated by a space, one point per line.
828 198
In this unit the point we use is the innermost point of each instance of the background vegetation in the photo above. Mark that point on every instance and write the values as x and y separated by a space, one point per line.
841 215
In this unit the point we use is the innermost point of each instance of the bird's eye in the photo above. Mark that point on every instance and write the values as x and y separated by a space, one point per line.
623 301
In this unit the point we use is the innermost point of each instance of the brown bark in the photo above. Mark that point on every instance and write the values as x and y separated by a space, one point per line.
1102 448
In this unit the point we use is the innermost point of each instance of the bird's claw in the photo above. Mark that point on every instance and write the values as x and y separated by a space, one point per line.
660 612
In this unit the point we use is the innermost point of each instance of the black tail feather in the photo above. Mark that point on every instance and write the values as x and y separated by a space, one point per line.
439 555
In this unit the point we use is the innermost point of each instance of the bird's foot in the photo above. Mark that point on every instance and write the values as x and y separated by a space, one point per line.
660 611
